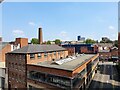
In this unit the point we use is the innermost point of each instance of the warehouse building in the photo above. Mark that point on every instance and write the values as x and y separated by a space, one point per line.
17 60
71 73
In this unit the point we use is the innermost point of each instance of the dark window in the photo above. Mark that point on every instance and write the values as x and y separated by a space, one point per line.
32 56
39 55
45 54
54 53
13 65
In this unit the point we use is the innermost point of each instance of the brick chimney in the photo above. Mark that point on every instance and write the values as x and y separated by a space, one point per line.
22 41
40 37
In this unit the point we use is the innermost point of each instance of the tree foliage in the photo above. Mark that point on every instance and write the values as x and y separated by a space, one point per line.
89 41
57 41
35 41
48 42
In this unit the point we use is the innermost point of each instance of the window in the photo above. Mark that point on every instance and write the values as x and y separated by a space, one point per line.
54 53
32 56
13 65
39 55
45 54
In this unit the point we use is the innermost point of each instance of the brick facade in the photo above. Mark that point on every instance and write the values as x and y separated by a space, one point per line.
17 65
16 69
61 73
22 41
4 50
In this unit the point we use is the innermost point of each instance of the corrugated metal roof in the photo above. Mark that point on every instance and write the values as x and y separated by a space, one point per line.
33 48
69 65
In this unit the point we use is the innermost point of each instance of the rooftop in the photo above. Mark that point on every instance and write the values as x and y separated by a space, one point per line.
35 48
69 64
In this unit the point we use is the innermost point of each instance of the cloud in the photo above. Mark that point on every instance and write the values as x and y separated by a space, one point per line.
111 28
32 23
18 33
63 33
64 36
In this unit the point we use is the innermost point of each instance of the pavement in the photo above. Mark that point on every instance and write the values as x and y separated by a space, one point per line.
106 77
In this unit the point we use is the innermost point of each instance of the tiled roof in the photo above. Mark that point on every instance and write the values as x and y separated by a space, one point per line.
34 48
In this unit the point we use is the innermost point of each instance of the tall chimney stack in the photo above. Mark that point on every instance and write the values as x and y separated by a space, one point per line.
40 37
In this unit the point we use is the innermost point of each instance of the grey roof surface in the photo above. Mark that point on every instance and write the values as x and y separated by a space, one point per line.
105 44
104 51
34 48
70 65
3 44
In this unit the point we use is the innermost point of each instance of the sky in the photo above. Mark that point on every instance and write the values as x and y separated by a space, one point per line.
59 20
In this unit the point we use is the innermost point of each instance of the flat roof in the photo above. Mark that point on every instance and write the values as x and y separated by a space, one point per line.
69 65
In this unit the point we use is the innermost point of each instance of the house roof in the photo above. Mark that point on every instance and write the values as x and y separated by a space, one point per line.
35 48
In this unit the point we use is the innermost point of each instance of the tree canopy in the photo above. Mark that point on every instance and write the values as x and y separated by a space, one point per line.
35 41
57 41
89 41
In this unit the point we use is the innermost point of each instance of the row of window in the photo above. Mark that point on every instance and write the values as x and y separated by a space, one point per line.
39 55
16 66
17 77
62 81
15 57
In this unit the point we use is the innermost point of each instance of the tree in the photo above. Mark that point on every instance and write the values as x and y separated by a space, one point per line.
48 42
90 41
35 41
57 41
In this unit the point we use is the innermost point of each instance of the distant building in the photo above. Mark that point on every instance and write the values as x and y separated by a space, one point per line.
17 60
114 53
79 38
105 39
82 48
107 51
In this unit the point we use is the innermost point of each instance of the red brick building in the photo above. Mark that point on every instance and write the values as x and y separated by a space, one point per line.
17 61
70 73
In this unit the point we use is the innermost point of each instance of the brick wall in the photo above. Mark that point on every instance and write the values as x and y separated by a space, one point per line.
16 70
49 70
6 49
71 50
50 57
22 41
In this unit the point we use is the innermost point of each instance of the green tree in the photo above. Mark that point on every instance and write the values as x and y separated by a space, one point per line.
57 41
48 42
89 41
35 41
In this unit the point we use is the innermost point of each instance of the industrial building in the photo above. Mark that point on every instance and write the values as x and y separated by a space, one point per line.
17 60
72 73
82 48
